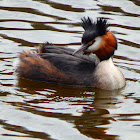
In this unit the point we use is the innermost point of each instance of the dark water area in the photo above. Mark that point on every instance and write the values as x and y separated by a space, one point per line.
34 110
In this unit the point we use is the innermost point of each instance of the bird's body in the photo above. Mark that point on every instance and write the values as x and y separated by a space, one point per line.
66 66
57 65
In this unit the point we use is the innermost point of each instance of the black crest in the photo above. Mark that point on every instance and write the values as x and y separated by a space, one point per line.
100 26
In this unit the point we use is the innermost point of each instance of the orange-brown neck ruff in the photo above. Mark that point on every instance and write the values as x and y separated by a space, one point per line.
107 46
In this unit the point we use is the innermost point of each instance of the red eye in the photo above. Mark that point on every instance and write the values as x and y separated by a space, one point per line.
93 41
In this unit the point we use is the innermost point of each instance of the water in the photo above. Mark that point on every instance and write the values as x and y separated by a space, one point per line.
33 110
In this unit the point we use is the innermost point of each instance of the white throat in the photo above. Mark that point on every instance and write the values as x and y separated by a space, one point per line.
108 76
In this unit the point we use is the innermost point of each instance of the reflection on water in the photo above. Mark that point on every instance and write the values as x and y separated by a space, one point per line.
94 103
36 110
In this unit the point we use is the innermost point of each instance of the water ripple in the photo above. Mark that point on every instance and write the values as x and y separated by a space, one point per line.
36 110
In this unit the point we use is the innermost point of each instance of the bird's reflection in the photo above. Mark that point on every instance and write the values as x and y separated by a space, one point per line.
95 116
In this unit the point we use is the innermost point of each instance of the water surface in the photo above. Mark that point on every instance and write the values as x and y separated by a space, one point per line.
35 110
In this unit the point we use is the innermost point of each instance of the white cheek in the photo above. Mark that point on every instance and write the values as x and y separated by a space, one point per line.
96 45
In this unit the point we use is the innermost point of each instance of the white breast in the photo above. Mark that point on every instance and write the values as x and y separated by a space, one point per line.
108 76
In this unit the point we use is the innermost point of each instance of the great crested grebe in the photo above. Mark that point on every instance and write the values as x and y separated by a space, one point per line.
66 66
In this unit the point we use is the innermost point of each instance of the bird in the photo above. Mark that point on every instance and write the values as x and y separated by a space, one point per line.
91 65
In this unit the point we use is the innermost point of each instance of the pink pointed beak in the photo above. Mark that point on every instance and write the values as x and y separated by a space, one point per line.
81 49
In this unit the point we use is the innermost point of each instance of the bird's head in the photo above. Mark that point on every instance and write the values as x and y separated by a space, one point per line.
97 39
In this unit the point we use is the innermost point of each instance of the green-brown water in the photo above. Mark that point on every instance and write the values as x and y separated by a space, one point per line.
34 110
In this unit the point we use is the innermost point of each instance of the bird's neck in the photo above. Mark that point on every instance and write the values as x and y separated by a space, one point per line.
108 76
